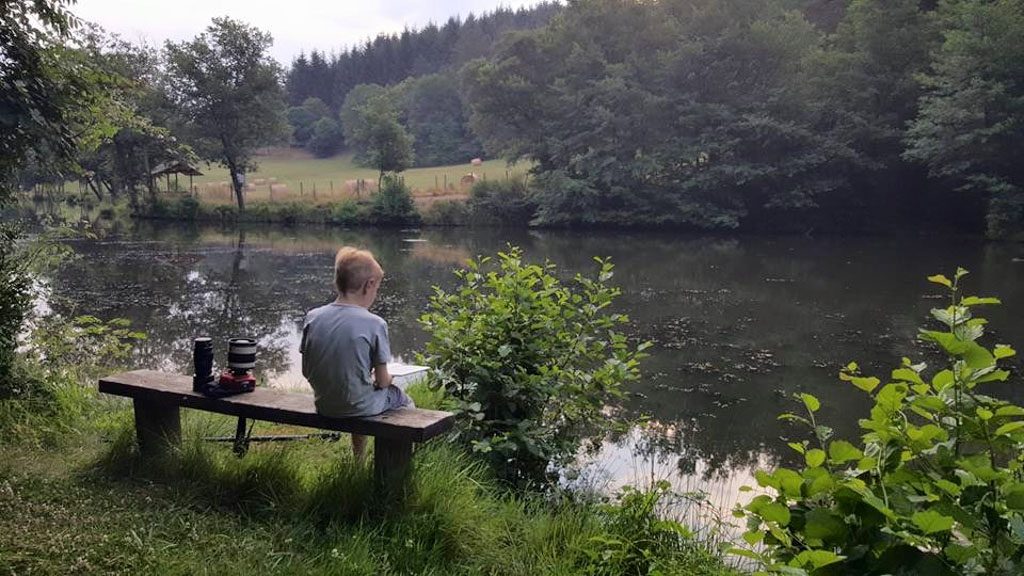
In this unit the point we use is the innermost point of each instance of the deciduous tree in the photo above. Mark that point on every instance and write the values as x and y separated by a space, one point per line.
229 88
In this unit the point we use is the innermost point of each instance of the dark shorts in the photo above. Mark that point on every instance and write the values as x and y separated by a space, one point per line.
398 399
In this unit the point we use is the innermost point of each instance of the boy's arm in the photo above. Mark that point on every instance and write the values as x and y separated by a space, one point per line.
381 355
381 377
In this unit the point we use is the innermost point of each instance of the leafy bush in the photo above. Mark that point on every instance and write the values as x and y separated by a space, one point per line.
935 486
637 539
188 208
15 302
393 203
503 202
447 213
348 212
84 345
531 363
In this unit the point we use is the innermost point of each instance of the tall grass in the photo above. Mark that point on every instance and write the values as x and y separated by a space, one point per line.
91 503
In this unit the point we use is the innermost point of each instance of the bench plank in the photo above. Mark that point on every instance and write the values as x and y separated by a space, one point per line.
268 404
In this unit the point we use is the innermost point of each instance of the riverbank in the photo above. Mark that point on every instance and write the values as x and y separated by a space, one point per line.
76 497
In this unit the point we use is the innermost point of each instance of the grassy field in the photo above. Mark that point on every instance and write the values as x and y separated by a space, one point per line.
289 175
76 498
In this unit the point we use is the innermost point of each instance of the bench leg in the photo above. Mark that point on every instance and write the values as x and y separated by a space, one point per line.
158 426
391 462
241 445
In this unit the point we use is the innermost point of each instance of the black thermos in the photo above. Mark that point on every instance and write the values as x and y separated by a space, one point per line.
202 358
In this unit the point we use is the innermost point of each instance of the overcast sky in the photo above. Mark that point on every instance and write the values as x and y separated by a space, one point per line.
296 25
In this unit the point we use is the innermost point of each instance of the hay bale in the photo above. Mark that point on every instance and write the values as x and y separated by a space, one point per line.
272 180
468 179
278 187
476 161
260 182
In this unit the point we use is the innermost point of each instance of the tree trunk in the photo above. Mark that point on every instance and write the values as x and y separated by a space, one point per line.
239 192
237 186
95 190
149 175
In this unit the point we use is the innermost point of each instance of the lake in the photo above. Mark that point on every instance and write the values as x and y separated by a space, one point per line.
738 324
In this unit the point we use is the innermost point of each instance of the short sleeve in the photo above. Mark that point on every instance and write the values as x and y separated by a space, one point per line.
381 351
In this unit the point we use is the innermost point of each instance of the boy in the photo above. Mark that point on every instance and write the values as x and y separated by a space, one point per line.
345 348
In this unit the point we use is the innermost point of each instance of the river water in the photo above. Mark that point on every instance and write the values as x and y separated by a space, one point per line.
738 324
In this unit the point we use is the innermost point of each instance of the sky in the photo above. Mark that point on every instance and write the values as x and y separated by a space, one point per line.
296 25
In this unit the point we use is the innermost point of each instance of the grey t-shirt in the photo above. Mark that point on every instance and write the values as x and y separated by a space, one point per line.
340 344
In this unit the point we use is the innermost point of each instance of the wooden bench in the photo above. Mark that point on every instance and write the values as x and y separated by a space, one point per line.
158 396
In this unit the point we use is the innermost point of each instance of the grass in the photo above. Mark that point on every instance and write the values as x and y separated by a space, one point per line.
76 497
295 176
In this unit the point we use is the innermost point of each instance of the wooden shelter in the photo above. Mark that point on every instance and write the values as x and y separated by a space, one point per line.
175 167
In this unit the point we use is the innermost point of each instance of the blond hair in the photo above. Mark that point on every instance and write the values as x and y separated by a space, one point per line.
353 268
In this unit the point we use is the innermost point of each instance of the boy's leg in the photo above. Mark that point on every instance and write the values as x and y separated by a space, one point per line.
359 447
398 399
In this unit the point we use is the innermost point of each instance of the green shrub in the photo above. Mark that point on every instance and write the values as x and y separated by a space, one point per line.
447 213
502 202
530 362
393 203
935 486
349 212
15 302
226 212
188 208
636 540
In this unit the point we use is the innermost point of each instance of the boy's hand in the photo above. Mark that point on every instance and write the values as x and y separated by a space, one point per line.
381 377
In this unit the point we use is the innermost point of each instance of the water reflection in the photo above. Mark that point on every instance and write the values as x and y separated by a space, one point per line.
738 324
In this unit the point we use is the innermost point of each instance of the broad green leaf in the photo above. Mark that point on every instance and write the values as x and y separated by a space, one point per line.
984 413
815 457
775 512
865 383
867 463
1015 496
976 301
1009 427
1010 411
824 525
737 551
941 279
907 375
789 481
993 376
1003 351
812 403
798 447
753 537
842 451
931 521
942 380
766 479
949 343
818 558
947 486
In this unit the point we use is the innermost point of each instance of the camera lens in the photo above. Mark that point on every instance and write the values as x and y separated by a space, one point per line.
241 354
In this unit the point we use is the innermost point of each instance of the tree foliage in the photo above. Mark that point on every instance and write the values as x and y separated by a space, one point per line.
34 87
228 88
303 118
327 138
389 59
372 129
696 121
971 123
433 112
720 114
